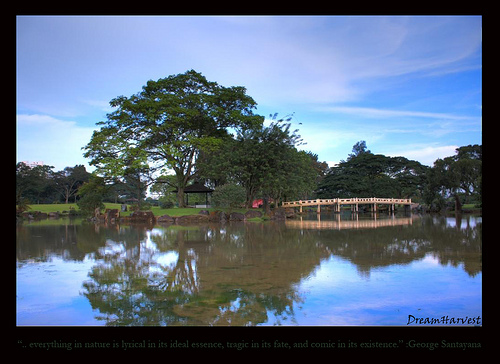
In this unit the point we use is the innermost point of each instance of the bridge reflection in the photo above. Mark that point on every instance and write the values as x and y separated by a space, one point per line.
354 223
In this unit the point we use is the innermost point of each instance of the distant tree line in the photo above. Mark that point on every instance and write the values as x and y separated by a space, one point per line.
43 185
244 170
459 177
364 174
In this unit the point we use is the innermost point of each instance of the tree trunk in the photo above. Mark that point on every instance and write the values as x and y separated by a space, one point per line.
181 182
265 203
250 198
249 203
458 205
139 197
180 196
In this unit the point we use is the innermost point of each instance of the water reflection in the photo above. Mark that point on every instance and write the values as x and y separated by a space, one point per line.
201 275
391 243
353 222
238 273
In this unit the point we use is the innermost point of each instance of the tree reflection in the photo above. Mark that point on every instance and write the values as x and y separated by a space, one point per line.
68 238
452 241
231 276
238 273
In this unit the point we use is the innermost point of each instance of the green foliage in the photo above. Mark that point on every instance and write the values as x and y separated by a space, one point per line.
228 196
167 125
22 205
357 149
91 195
265 161
69 180
166 204
35 184
40 184
164 187
374 175
458 177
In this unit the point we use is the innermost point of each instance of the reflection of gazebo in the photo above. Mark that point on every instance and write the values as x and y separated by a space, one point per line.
197 188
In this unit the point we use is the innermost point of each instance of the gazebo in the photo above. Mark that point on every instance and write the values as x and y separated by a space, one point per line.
197 188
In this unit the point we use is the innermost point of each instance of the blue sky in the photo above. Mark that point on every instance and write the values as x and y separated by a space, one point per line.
409 86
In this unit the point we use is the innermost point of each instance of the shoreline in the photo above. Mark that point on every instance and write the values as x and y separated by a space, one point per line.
113 216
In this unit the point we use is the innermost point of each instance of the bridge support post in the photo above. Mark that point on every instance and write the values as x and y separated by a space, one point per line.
319 209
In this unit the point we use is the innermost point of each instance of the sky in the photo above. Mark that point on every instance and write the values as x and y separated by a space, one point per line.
409 85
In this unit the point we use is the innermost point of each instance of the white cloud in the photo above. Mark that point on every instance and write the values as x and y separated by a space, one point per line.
426 154
378 123
286 63
100 104
386 113
54 141
395 46
338 59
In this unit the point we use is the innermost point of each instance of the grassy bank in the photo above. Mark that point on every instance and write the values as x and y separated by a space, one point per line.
53 207
157 211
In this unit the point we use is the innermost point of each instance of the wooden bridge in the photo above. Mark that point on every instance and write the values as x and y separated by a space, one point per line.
353 202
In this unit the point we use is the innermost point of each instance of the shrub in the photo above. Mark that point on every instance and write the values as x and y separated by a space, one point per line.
22 205
228 196
91 195
166 204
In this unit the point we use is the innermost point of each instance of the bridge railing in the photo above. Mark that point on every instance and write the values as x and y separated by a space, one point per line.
347 201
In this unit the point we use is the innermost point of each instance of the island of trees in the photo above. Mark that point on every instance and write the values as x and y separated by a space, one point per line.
184 129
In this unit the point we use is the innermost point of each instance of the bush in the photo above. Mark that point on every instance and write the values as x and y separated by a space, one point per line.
89 203
228 196
22 205
166 204
91 195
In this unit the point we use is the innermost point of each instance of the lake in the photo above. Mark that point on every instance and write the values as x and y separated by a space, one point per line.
329 270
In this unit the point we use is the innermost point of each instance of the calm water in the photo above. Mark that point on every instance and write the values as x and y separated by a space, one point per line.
334 270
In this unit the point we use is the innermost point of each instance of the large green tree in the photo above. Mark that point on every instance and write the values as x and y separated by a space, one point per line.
266 162
35 184
167 125
69 180
92 194
365 174
456 176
